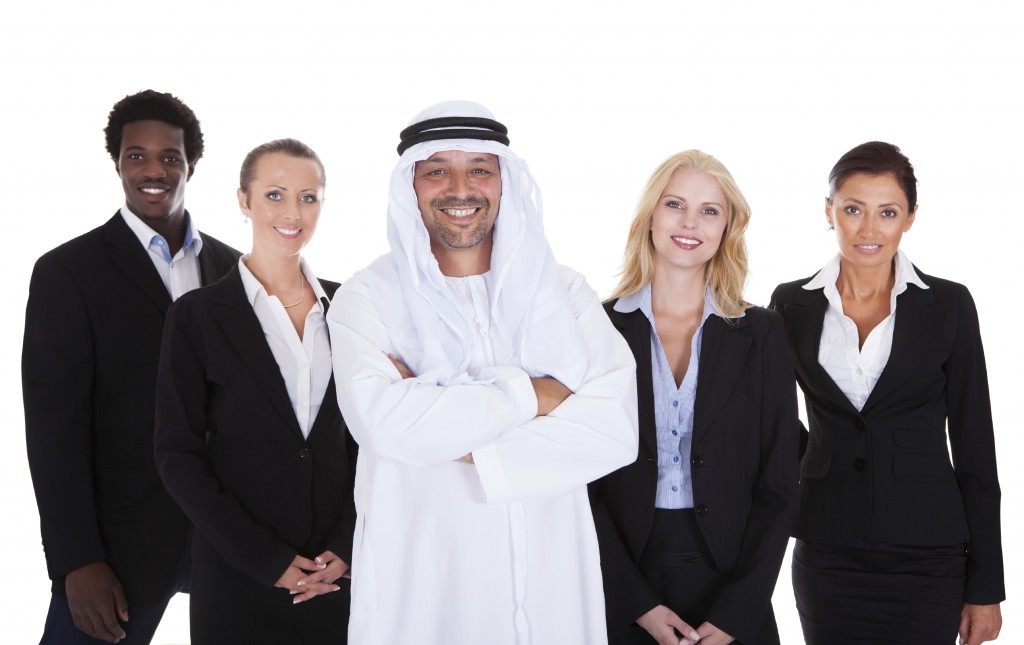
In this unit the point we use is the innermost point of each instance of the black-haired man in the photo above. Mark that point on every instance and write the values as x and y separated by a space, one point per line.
114 540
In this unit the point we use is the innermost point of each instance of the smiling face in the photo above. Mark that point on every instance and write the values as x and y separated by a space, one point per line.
283 201
870 215
688 221
154 170
458 193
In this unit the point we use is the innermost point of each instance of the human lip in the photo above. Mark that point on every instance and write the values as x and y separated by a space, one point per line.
289 232
154 189
460 213
868 248
687 243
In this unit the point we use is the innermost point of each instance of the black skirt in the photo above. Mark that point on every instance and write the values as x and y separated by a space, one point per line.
880 594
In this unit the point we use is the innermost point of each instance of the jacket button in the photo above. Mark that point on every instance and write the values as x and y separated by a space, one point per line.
697 461
859 423
702 509
859 464
303 453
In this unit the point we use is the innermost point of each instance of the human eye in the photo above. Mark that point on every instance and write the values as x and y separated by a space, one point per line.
172 159
481 171
135 156
308 199
673 203
851 210
889 213
274 196
709 210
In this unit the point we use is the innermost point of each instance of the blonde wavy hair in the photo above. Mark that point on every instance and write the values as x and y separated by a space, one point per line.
726 272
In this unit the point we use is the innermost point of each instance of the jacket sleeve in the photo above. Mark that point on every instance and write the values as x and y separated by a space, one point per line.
741 606
972 441
627 593
341 539
593 432
182 402
58 364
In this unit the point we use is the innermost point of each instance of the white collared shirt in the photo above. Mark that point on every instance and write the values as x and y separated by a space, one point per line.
305 364
180 274
856 369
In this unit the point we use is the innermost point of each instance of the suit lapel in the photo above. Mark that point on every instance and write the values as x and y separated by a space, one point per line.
242 328
723 354
636 329
805 318
917 322
127 253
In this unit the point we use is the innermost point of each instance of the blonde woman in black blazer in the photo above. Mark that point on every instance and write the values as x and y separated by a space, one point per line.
895 544
249 439
692 534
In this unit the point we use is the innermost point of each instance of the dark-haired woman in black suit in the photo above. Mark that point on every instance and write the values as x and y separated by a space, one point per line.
895 544
249 439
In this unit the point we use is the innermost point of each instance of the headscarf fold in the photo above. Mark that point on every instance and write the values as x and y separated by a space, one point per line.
529 302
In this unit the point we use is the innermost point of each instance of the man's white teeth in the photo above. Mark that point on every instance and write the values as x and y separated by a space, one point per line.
459 212
287 231
686 240
154 191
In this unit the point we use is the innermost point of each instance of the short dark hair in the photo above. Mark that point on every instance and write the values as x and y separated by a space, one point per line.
290 147
150 105
875 158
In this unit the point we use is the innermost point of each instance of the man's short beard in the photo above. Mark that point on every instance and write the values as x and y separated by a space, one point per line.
457 238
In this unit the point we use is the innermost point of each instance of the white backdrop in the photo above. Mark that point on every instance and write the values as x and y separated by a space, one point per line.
595 95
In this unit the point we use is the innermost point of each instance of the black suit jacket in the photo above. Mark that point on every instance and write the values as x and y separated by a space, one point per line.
743 463
883 474
95 314
229 448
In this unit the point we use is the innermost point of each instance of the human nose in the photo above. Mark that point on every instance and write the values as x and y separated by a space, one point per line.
154 169
460 186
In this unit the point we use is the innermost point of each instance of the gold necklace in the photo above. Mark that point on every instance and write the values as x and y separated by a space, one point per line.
301 297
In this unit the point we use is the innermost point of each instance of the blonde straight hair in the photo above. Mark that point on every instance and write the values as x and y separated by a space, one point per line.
726 272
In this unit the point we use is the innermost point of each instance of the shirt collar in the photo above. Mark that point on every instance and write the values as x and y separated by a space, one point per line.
147 236
254 288
642 300
905 274
904 270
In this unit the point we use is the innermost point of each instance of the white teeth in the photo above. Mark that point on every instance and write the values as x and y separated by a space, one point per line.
869 247
686 240
154 191
459 212
287 231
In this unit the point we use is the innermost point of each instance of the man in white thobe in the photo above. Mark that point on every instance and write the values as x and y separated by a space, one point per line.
485 387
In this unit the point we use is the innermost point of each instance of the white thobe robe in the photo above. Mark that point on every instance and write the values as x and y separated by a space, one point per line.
502 552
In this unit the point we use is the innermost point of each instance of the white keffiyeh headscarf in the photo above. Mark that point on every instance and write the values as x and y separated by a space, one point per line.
529 302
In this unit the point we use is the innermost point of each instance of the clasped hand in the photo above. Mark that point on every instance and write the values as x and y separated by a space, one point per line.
306 578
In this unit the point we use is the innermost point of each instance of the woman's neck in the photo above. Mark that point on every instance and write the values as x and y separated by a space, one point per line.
678 293
277 275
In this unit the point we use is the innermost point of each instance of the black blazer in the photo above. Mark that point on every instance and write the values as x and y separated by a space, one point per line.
744 468
229 448
883 474
95 313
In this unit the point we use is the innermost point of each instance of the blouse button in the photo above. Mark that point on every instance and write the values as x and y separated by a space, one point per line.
675 404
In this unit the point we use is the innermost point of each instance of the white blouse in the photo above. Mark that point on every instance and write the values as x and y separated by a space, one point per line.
856 369
305 364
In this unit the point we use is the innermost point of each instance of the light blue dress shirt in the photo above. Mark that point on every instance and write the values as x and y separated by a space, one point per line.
673 406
